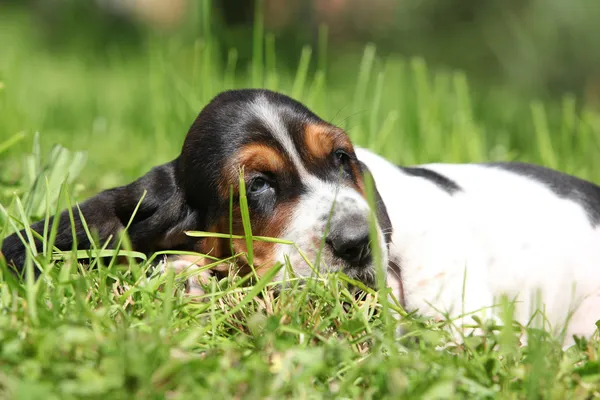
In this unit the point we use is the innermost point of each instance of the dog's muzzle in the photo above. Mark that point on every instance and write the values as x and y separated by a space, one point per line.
349 240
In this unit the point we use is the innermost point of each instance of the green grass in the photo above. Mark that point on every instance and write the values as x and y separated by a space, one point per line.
112 332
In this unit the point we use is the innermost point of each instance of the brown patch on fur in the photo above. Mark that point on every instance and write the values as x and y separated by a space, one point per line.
261 157
252 157
272 227
319 140
322 140
264 252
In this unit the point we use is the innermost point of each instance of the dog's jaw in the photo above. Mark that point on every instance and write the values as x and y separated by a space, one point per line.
323 205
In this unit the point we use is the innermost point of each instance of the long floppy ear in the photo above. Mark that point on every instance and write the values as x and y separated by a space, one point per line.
160 219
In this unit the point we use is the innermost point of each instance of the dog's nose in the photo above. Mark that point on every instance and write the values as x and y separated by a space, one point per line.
349 240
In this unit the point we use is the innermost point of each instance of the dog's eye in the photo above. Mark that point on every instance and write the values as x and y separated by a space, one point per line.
258 185
341 156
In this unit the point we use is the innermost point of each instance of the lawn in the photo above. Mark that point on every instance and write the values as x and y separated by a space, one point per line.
75 123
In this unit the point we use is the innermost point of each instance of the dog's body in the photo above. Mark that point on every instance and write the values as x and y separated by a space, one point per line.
488 229
464 235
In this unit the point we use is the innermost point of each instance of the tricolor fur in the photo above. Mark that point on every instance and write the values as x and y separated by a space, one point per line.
303 180
457 237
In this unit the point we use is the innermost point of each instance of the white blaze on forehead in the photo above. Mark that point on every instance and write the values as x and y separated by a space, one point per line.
270 115
314 209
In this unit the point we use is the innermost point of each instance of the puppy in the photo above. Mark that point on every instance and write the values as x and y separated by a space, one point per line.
303 183
456 238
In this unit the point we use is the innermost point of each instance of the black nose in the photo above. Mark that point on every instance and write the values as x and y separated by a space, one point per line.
349 240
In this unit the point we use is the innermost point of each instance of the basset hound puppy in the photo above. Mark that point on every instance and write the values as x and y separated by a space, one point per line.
455 238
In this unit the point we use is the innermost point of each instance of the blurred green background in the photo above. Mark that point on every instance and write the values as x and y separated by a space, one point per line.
535 47
419 81
96 92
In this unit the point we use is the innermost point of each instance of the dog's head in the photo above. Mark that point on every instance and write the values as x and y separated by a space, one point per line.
303 184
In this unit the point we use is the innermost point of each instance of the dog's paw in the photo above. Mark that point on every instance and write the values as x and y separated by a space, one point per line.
190 265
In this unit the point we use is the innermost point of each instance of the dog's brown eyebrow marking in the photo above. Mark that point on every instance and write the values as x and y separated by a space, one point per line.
260 157
252 157
321 140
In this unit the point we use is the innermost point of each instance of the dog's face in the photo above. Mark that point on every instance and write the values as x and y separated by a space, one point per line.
303 184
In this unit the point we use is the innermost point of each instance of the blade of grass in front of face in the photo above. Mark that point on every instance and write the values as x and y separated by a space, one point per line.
246 220
317 263
245 213
201 234
377 257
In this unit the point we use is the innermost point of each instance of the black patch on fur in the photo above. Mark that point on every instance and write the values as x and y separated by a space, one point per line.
441 181
582 192
160 220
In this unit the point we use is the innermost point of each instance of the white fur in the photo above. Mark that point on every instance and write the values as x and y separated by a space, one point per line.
502 234
323 202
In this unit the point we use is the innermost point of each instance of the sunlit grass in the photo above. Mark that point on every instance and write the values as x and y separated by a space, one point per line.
122 330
